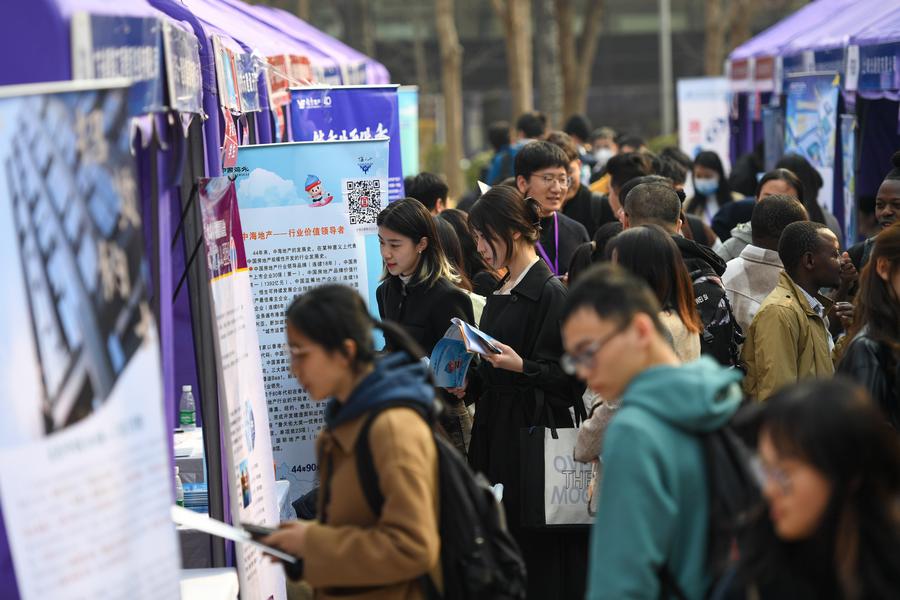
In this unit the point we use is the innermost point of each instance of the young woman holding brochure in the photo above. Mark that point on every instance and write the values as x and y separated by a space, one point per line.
523 385
419 292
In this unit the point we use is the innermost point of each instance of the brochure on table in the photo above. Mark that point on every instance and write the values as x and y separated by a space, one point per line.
86 482
308 216
242 401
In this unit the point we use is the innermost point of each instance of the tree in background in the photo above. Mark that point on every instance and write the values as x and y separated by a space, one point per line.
577 57
546 52
728 24
451 84
515 16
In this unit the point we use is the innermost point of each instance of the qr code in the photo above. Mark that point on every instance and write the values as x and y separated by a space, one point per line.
363 199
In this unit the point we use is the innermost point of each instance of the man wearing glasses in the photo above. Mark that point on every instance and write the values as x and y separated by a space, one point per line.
542 173
651 529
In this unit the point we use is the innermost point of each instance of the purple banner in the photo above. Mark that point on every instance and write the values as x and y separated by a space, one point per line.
351 113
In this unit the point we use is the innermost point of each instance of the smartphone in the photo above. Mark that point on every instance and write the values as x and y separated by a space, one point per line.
257 532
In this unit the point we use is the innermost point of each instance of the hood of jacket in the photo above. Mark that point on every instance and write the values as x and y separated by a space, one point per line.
696 256
743 232
396 378
698 397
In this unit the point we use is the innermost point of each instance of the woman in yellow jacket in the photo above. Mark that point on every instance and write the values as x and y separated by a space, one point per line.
349 551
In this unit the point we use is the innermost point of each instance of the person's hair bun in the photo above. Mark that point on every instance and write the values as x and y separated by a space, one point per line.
534 211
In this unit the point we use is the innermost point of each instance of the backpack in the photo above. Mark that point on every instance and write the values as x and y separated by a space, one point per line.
722 336
479 558
733 497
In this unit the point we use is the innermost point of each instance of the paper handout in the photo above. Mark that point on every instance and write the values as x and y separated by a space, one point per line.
191 520
453 353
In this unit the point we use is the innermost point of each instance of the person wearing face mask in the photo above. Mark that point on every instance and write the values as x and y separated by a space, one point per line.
581 204
829 469
603 147
542 173
711 190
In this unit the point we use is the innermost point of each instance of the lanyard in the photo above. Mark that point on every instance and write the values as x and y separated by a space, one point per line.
555 264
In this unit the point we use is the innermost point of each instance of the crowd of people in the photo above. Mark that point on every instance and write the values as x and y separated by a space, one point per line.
678 322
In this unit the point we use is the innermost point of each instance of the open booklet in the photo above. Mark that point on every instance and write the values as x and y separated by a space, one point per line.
191 520
453 353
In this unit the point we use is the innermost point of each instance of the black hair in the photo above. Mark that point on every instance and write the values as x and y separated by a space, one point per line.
832 426
649 252
452 250
773 213
411 219
578 126
797 240
678 155
473 262
711 160
532 124
538 155
614 294
501 212
565 143
634 141
625 167
652 203
331 314
498 135
781 175
427 188
670 169
633 183
811 181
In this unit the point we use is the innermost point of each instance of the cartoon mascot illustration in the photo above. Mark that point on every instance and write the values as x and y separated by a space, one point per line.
316 192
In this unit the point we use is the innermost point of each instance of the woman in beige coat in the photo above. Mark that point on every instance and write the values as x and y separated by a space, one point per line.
350 551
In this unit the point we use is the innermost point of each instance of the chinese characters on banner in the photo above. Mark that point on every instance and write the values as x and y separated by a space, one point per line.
251 481
86 482
351 113
308 216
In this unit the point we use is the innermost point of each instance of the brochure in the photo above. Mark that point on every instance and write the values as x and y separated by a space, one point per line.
453 353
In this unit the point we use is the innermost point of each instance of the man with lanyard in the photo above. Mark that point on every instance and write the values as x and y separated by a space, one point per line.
542 173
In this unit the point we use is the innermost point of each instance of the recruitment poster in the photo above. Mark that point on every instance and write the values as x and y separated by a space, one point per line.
703 105
362 112
308 216
242 401
811 126
86 482
848 166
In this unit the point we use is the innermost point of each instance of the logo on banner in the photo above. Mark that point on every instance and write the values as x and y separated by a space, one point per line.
365 163
312 102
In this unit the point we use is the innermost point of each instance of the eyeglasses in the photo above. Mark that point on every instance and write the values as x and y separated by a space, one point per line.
563 180
762 473
571 362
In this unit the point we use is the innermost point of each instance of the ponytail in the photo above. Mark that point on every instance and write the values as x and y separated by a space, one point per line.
397 340
501 212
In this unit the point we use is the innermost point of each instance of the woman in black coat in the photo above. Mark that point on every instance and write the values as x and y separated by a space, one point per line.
419 292
523 385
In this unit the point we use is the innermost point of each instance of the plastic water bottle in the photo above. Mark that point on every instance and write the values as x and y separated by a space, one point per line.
179 489
187 414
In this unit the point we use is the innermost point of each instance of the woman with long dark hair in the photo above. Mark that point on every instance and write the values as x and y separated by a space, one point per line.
524 385
649 252
812 183
872 358
348 550
483 278
711 189
420 291
829 469
453 251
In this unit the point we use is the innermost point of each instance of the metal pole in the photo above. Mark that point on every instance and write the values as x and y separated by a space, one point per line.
665 67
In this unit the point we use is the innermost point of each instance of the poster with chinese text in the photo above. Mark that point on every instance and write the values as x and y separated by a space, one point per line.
308 214
242 401
703 105
86 480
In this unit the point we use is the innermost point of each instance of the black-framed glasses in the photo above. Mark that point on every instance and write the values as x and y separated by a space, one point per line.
548 179
762 473
571 362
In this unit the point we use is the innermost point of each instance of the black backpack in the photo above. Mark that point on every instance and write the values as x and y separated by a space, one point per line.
734 496
722 336
479 558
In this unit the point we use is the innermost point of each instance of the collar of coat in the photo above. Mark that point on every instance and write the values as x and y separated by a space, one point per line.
532 284
789 288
